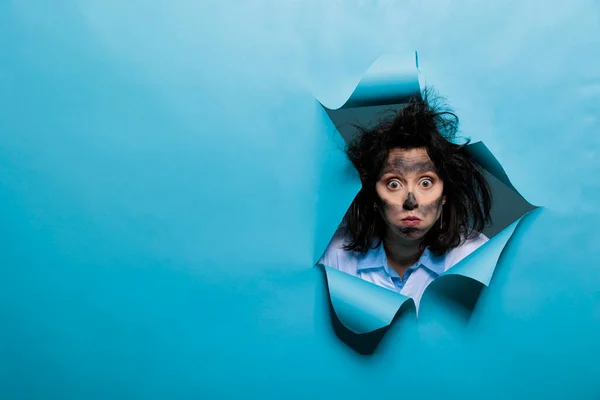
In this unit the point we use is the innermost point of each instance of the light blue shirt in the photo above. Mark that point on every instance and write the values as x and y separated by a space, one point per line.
373 266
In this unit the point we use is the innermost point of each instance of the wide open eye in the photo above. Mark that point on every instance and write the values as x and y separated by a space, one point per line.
426 183
394 185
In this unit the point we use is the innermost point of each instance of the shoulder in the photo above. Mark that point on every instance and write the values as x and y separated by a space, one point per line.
337 257
466 247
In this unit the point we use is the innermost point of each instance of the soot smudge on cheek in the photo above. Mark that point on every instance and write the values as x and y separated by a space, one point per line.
432 207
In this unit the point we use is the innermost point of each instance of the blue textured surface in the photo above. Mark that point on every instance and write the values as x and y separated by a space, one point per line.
159 197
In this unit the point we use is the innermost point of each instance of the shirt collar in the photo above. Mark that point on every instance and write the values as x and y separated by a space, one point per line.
376 258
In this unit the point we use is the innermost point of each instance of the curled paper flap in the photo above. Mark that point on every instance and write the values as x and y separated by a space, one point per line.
390 81
482 155
361 306
508 205
480 264
462 284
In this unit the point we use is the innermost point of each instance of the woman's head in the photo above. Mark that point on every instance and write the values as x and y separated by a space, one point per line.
417 184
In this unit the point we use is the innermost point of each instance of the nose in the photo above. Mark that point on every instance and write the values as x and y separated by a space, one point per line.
411 202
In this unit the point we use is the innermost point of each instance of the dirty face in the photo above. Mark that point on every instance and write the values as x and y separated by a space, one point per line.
411 193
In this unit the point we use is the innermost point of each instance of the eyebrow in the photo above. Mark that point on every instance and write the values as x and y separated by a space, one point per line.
399 166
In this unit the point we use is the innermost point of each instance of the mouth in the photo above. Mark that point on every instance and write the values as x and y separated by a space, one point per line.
411 221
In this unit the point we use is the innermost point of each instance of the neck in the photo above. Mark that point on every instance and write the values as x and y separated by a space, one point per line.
400 253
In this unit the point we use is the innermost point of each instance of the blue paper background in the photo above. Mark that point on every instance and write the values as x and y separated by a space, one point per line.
162 198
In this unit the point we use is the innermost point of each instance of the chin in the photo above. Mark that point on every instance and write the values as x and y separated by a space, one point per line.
410 232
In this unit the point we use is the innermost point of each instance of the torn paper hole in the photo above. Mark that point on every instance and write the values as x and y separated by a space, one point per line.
361 311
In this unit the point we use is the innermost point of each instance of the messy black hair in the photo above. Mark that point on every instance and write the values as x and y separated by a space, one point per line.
424 122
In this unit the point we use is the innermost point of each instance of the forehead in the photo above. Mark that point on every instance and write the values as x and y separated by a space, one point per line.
408 161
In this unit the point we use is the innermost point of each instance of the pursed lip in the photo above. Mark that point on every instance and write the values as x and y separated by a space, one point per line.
411 221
